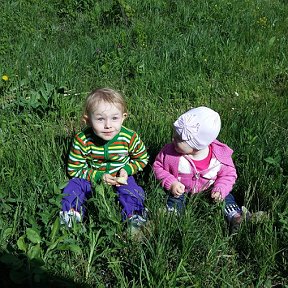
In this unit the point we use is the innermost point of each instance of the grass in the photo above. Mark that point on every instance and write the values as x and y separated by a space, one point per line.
165 56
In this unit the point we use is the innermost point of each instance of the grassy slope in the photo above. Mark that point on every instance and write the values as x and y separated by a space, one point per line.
165 56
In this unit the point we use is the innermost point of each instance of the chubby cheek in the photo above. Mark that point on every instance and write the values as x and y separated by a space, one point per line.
118 126
179 148
95 126
183 148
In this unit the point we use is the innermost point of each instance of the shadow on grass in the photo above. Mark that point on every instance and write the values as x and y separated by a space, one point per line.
16 271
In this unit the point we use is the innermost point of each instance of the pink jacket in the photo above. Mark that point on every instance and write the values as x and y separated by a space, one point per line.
221 173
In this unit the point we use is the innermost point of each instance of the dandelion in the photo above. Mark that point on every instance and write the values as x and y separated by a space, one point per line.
5 78
262 21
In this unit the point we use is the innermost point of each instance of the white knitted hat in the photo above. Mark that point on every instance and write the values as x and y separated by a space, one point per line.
198 127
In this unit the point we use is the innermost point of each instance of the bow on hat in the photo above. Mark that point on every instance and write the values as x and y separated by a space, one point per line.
186 127
198 127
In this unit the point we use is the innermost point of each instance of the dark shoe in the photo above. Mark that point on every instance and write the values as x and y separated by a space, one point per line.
255 217
238 218
234 223
246 216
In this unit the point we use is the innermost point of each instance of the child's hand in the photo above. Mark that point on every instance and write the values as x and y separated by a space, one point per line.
177 189
216 196
109 179
122 179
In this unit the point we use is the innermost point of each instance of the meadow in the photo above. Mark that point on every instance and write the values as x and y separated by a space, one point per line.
165 56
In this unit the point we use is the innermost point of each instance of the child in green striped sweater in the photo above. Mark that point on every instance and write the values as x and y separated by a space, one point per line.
105 151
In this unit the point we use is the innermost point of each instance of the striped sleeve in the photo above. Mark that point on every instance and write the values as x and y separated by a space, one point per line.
138 155
77 161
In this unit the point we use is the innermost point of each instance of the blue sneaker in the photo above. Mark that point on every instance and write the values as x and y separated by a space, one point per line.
69 217
135 224
136 221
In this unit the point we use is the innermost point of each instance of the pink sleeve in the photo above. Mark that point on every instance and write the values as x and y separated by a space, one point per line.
226 178
165 177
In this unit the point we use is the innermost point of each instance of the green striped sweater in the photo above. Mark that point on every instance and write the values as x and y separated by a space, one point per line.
90 157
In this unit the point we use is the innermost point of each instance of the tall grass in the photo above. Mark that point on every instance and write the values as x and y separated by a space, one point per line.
165 56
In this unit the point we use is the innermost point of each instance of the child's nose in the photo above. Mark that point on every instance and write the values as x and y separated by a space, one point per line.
107 123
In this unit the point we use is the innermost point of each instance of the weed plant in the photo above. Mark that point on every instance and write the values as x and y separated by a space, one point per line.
165 56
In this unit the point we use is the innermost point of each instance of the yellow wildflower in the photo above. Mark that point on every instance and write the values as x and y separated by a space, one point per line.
262 21
5 78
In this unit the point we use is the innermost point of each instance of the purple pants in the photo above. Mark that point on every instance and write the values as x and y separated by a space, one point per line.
131 196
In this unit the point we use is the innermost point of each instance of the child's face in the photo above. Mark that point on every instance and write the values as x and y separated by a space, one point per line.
106 120
182 147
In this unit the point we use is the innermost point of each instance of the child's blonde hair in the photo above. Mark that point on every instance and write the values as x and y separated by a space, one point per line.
106 95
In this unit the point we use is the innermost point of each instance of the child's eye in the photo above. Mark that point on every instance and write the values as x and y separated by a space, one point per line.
115 118
100 119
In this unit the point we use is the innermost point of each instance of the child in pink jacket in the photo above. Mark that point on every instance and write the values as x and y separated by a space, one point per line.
195 161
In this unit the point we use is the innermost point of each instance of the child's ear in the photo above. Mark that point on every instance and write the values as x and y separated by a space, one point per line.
86 119
125 115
